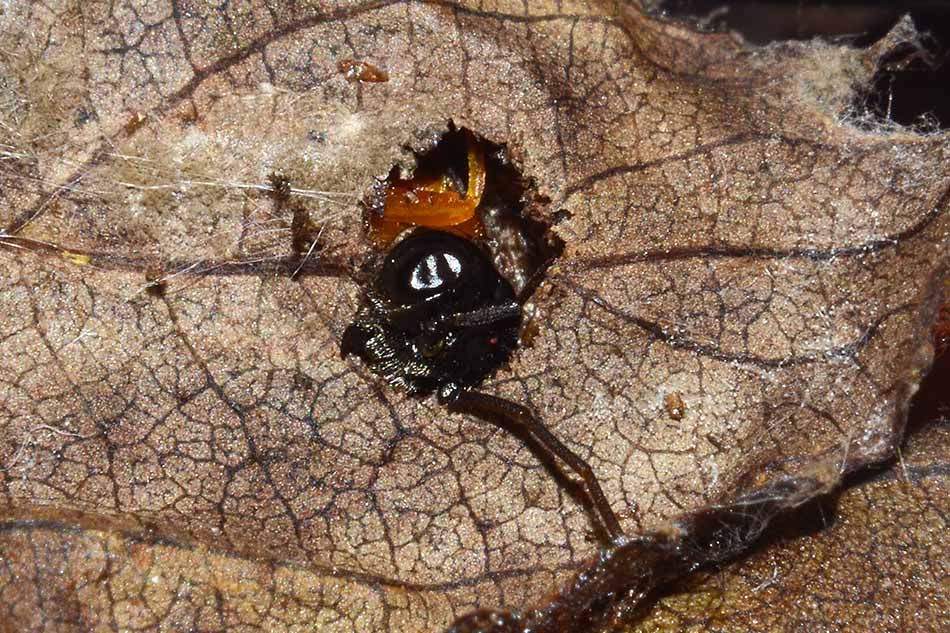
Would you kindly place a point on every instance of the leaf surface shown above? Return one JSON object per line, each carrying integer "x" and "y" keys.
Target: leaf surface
{"x": 875, "y": 559}
{"x": 732, "y": 240}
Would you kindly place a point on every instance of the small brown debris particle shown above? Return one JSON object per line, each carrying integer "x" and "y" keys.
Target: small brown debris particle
{"x": 135, "y": 121}
{"x": 530, "y": 331}
{"x": 675, "y": 407}
{"x": 355, "y": 71}
{"x": 303, "y": 231}
{"x": 155, "y": 280}
{"x": 189, "y": 113}
{"x": 279, "y": 187}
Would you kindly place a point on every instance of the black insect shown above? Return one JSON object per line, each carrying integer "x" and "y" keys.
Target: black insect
{"x": 438, "y": 318}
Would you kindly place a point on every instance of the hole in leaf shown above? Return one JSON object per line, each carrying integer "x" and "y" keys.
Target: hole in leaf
{"x": 468, "y": 186}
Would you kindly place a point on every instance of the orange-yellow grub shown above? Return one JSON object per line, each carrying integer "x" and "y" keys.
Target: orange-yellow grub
{"x": 432, "y": 201}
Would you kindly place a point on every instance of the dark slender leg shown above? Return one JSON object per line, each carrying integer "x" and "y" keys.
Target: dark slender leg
{"x": 491, "y": 408}
{"x": 483, "y": 316}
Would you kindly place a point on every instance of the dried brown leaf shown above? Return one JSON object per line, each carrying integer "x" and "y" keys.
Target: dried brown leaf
{"x": 875, "y": 560}
{"x": 732, "y": 239}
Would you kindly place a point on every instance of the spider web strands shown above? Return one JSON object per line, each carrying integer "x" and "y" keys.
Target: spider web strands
{"x": 309, "y": 253}
{"x": 264, "y": 228}
{"x": 334, "y": 196}
{"x": 72, "y": 186}
{"x": 724, "y": 251}
{"x": 10, "y": 152}
{"x": 337, "y": 197}
{"x": 290, "y": 264}
{"x": 147, "y": 175}
{"x": 269, "y": 223}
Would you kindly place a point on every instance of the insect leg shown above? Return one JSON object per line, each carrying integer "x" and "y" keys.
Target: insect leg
{"x": 484, "y": 316}
{"x": 493, "y": 409}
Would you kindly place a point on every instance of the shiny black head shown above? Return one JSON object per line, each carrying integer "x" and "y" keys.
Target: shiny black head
{"x": 438, "y": 316}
